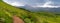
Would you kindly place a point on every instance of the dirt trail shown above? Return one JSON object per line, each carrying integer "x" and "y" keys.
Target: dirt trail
{"x": 17, "y": 20}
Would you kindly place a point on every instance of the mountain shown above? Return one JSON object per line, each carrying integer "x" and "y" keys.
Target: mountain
{"x": 54, "y": 9}
{"x": 30, "y": 8}
{"x": 38, "y": 9}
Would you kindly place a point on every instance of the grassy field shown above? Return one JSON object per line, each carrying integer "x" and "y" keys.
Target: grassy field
{"x": 7, "y": 11}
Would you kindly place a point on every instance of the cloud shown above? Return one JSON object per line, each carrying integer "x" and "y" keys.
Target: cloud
{"x": 17, "y": 4}
{"x": 47, "y": 4}
{"x": 33, "y": 3}
{"x": 24, "y": 1}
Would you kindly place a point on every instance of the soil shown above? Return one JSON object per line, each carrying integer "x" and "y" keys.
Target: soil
{"x": 17, "y": 20}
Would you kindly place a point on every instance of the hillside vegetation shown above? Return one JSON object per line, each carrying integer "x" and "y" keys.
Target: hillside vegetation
{"x": 7, "y": 12}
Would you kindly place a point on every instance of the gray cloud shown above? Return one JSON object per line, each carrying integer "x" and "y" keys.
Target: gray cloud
{"x": 33, "y": 2}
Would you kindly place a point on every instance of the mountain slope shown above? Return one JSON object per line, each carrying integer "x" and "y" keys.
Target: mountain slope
{"x": 8, "y": 11}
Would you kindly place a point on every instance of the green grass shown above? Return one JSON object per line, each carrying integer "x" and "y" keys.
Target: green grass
{"x": 7, "y": 11}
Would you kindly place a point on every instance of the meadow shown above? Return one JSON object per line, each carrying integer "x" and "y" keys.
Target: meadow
{"x": 7, "y": 12}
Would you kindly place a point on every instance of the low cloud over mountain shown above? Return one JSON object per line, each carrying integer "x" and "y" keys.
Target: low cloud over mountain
{"x": 36, "y": 5}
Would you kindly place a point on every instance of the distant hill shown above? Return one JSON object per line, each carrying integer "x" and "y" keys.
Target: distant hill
{"x": 35, "y": 9}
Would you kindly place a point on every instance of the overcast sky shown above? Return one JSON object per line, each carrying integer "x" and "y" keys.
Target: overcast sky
{"x": 34, "y": 3}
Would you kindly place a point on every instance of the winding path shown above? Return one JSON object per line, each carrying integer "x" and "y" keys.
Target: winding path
{"x": 17, "y": 20}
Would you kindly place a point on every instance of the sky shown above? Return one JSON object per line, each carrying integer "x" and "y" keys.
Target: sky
{"x": 34, "y": 3}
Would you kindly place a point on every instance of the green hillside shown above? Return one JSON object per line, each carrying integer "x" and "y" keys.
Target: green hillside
{"x": 8, "y": 11}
